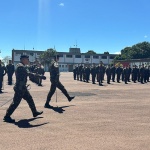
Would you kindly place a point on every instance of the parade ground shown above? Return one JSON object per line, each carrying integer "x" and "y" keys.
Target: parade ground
{"x": 109, "y": 117}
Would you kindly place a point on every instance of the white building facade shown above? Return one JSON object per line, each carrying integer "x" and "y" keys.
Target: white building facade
{"x": 67, "y": 60}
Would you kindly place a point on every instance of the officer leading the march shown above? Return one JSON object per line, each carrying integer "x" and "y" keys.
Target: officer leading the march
{"x": 21, "y": 90}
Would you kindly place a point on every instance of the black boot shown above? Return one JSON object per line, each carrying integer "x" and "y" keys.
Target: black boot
{"x": 71, "y": 98}
{"x": 47, "y": 105}
{"x": 8, "y": 119}
{"x": 35, "y": 114}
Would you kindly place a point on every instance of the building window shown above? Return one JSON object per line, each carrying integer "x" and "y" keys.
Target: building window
{"x": 78, "y": 56}
{"x": 95, "y": 57}
{"x": 62, "y": 66}
{"x": 87, "y": 56}
{"x": 60, "y": 55}
{"x": 31, "y": 54}
{"x": 59, "y": 66}
{"x": 112, "y": 57}
{"x": 69, "y": 56}
{"x": 104, "y": 57}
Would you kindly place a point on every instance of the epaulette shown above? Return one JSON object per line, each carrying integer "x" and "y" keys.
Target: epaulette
{"x": 19, "y": 65}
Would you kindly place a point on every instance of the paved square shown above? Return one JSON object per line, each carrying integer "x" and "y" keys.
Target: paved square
{"x": 112, "y": 117}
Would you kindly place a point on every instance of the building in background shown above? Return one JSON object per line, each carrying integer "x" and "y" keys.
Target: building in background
{"x": 67, "y": 60}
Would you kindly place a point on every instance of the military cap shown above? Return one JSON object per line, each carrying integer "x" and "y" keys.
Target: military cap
{"x": 24, "y": 56}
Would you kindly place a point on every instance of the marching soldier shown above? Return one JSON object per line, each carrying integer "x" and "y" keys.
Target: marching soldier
{"x": 2, "y": 73}
{"x": 21, "y": 90}
{"x": 54, "y": 78}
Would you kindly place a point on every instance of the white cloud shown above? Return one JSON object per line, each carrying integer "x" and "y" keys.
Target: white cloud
{"x": 145, "y": 36}
{"x": 117, "y": 52}
{"x": 61, "y": 4}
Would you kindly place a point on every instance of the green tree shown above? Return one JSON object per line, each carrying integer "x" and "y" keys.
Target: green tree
{"x": 91, "y": 52}
{"x": 106, "y": 53}
{"x": 137, "y": 51}
{"x": 46, "y": 57}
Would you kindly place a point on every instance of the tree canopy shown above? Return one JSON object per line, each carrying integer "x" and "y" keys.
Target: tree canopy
{"x": 46, "y": 56}
{"x": 137, "y": 51}
{"x": 91, "y": 52}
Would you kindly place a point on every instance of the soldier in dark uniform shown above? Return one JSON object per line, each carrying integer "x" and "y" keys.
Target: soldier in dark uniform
{"x": 75, "y": 73}
{"x": 39, "y": 71}
{"x": 77, "y": 70}
{"x": 10, "y": 71}
{"x": 81, "y": 72}
{"x": 21, "y": 90}
{"x": 130, "y": 70}
{"x": 138, "y": 75}
{"x": 87, "y": 73}
{"x": 2, "y": 73}
{"x": 122, "y": 74}
{"x": 84, "y": 74}
{"x": 100, "y": 73}
{"x": 113, "y": 73}
{"x": 146, "y": 74}
{"x": 118, "y": 72}
{"x": 142, "y": 73}
{"x": 126, "y": 73}
{"x": 54, "y": 78}
{"x": 135, "y": 71}
{"x": 108, "y": 73}
{"x": 93, "y": 73}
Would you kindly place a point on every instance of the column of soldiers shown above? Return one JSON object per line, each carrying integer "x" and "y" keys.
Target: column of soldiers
{"x": 21, "y": 87}
{"x": 113, "y": 73}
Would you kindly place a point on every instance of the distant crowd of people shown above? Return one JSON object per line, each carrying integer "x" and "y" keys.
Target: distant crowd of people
{"x": 113, "y": 73}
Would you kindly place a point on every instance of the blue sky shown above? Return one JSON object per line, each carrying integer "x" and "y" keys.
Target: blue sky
{"x": 99, "y": 25}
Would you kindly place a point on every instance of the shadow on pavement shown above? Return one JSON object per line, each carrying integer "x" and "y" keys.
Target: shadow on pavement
{"x": 25, "y": 123}
{"x": 59, "y": 109}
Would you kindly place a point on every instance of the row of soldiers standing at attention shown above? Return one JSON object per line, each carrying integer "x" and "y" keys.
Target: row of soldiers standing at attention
{"x": 9, "y": 69}
{"x": 126, "y": 73}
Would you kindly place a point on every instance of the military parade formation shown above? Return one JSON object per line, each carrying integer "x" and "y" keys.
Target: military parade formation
{"x": 113, "y": 73}
{"x": 85, "y": 73}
